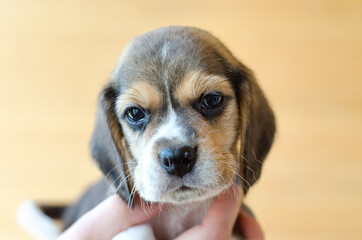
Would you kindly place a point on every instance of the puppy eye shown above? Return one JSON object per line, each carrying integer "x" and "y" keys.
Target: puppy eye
{"x": 213, "y": 100}
{"x": 135, "y": 114}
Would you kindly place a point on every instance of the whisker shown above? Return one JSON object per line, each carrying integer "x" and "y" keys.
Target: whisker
{"x": 117, "y": 166}
{"x": 127, "y": 176}
{"x": 215, "y": 130}
{"x": 255, "y": 159}
{"x": 130, "y": 197}
{"x": 237, "y": 174}
{"x": 133, "y": 194}
{"x": 202, "y": 127}
{"x": 119, "y": 185}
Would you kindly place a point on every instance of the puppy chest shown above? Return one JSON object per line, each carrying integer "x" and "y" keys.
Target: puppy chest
{"x": 175, "y": 219}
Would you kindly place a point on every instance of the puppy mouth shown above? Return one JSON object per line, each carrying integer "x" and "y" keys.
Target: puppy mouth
{"x": 184, "y": 188}
{"x": 181, "y": 189}
{"x": 188, "y": 190}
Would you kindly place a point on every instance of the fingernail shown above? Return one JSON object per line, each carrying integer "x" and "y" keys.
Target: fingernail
{"x": 247, "y": 210}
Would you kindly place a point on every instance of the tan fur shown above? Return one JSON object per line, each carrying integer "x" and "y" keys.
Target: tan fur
{"x": 196, "y": 83}
{"x": 146, "y": 96}
{"x": 141, "y": 93}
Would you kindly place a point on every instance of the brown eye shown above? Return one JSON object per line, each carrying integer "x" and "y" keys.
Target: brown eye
{"x": 135, "y": 114}
{"x": 213, "y": 100}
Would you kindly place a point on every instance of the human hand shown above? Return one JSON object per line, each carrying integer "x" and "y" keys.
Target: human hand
{"x": 220, "y": 220}
{"x": 113, "y": 216}
{"x": 109, "y": 218}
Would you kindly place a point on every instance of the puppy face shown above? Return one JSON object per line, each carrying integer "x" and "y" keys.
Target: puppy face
{"x": 179, "y": 110}
{"x": 199, "y": 116}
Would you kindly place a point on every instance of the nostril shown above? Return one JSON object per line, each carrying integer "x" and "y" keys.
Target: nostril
{"x": 167, "y": 162}
{"x": 165, "y": 153}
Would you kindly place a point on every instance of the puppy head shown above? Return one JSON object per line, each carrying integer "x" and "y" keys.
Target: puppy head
{"x": 180, "y": 119}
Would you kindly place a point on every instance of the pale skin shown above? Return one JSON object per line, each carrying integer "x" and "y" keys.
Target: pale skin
{"x": 99, "y": 223}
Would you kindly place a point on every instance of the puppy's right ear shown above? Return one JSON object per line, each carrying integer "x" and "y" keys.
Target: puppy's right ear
{"x": 106, "y": 144}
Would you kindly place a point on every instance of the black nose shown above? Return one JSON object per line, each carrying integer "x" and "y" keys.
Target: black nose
{"x": 178, "y": 161}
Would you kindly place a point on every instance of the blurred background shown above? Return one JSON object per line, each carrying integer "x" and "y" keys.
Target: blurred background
{"x": 56, "y": 55}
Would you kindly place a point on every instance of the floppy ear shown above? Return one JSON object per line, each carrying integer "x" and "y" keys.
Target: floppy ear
{"x": 106, "y": 144}
{"x": 257, "y": 128}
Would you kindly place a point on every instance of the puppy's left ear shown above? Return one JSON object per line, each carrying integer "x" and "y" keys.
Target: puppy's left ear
{"x": 107, "y": 145}
{"x": 257, "y": 128}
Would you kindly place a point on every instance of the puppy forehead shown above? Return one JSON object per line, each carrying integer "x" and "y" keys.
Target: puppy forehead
{"x": 167, "y": 54}
{"x": 174, "y": 61}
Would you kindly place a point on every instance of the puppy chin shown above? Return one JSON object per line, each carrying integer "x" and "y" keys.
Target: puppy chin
{"x": 185, "y": 195}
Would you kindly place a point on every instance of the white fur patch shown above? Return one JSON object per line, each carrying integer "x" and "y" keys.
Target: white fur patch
{"x": 170, "y": 129}
{"x": 164, "y": 52}
{"x": 139, "y": 232}
{"x": 149, "y": 177}
{"x": 35, "y": 223}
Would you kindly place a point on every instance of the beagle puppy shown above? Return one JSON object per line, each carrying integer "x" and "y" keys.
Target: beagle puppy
{"x": 179, "y": 120}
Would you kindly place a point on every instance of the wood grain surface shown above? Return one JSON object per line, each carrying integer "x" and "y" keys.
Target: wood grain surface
{"x": 56, "y": 55}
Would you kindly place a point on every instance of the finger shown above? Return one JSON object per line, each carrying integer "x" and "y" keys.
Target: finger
{"x": 225, "y": 208}
{"x": 220, "y": 219}
{"x": 250, "y": 227}
{"x": 109, "y": 218}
